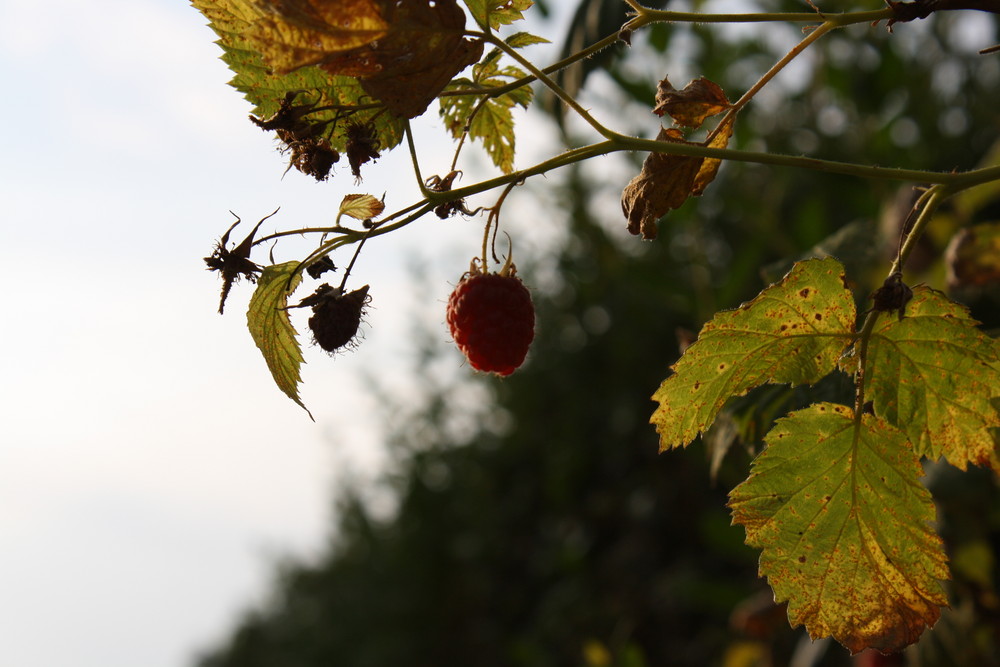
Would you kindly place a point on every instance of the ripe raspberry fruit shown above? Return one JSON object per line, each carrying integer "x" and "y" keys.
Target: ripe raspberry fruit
{"x": 492, "y": 320}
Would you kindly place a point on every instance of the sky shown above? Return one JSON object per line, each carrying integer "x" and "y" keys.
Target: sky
{"x": 151, "y": 473}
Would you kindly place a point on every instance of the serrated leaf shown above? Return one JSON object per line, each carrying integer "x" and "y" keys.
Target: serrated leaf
{"x": 361, "y": 207}
{"x": 265, "y": 89}
{"x": 271, "y": 329}
{"x": 494, "y": 13}
{"x": 792, "y": 332}
{"x": 844, "y": 524}
{"x": 519, "y": 40}
{"x": 933, "y": 375}
{"x": 493, "y": 122}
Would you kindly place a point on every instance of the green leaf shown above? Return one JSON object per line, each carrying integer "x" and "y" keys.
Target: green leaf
{"x": 491, "y": 14}
{"x": 519, "y": 40}
{"x": 493, "y": 122}
{"x": 360, "y": 207}
{"x": 844, "y": 523}
{"x": 232, "y": 20}
{"x": 792, "y": 332}
{"x": 271, "y": 329}
{"x": 933, "y": 374}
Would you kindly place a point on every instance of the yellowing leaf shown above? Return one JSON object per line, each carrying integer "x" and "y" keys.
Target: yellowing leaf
{"x": 690, "y": 107}
{"x": 294, "y": 33}
{"x": 361, "y": 207}
{"x": 838, "y": 509}
{"x": 271, "y": 329}
{"x": 933, "y": 374}
{"x": 402, "y": 53}
{"x": 792, "y": 332}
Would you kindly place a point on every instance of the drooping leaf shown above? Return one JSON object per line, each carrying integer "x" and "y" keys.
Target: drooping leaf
{"x": 666, "y": 181}
{"x": 494, "y": 13}
{"x": 933, "y": 375}
{"x": 493, "y": 122}
{"x": 663, "y": 184}
{"x": 837, "y": 507}
{"x": 690, "y": 107}
{"x": 792, "y": 332}
{"x": 267, "y": 90}
{"x": 361, "y": 207}
{"x": 271, "y": 329}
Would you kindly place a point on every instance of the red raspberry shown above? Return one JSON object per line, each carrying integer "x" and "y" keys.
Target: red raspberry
{"x": 492, "y": 321}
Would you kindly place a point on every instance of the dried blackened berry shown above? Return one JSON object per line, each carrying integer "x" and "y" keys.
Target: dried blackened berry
{"x": 313, "y": 156}
{"x": 449, "y": 208}
{"x": 321, "y": 266}
{"x": 362, "y": 146}
{"x": 336, "y": 316}
{"x": 894, "y": 294}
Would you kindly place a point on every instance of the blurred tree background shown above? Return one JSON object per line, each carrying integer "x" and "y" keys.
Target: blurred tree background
{"x": 552, "y": 533}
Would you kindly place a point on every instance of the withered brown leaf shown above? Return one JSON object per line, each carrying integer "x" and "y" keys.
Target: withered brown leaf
{"x": 663, "y": 185}
{"x": 404, "y": 53}
{"x": 666, "y": 181}
{"x": 423, "y": 51}
{"x": 690, "y": 107}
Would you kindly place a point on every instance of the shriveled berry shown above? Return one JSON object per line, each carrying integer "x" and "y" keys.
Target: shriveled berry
{"x": 336, "y": 317}
{"x": 492, "y": 320}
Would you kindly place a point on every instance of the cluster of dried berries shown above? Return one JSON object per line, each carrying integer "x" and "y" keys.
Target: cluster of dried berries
{"x": 310, "y": 150}
{"x": 234, "y": 264}
{"x": 308, "y": 140}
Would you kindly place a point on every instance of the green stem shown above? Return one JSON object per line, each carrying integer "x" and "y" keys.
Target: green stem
{"x": 648, "y": 16}
{"x": 770, "y": 74}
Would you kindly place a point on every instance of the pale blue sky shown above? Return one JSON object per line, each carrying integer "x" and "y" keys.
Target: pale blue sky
{"x": 150, "y": 472}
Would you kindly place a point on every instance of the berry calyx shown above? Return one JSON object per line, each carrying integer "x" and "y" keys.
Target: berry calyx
{"x": 492, "y": 319}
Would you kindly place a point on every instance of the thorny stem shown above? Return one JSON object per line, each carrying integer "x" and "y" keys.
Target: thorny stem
{"x": 648, "y": 16}
{"x": 770, "y": 74}
{"x": 413, "y": 158}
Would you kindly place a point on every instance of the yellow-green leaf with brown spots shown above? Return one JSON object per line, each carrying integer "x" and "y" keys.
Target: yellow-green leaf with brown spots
{"x": 792, "y": 332}
{"x": 934, "y": 374}
{"x": 844, "y": 523}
